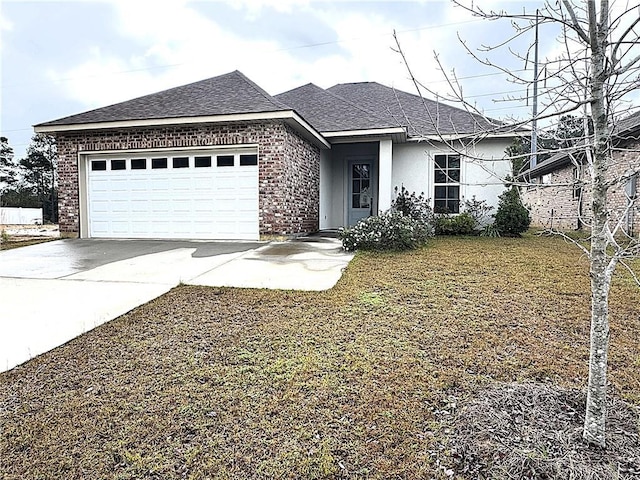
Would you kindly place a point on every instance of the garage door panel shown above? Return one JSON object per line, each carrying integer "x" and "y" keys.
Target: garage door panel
{"x": 120, "y": 206}
{"x": 120, "y": 227}
{"x": 202, "y": 185}
{"x": 204, "y": 203}
{"x": 160, "y": 206}
{"x": 139, "y": 227}
{"x": 139, "y": 206}
{"x": 182, "y": 208}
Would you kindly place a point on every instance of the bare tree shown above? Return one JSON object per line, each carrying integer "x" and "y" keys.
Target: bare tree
{"x": 593, "y": 77}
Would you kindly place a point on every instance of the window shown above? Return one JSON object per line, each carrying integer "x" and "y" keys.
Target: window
{"x": 118, "y": 164}
{"x": 224, "y": 160}
{"x": 577, "y": 186}
{"x": 202, "y": 162}
{"x": 98, "y": 165}
{"x": 158, "y": 163}
{"x": 138, "y": 164}
{"x": 180, "y": 162}
{"x": 246, "y": 160}
{"x": 446, "y": 198}
{"x": 631, "y": 187}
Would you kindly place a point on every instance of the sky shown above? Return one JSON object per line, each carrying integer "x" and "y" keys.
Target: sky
{"x": 59, "y": 58}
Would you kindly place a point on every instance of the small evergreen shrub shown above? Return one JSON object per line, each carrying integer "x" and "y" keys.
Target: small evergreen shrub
{"x": 461, "y": 224}
{"x": 512, "y": 217}
{"x": 391, "y": 230}
{"x": 479, "y": 210}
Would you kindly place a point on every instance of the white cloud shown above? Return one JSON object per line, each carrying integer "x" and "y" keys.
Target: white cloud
{"x": 176, "y": 34}
{"x": 5, "y": 24}
{"x": 254, "y": 8}
{"x": 172, "y": 43}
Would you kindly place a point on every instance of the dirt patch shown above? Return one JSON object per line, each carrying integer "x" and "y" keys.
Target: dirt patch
{"x": 26, "y": 232}
{"x": 534, "y": 431}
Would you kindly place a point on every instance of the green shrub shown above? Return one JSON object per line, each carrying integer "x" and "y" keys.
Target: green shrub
{"x": 512, "y": 218}
{"x": 479, "y": 210}
{"x": 408, "y": 224}
{"x": 461, "y": 224}
{"x": 490, "y": 230}
{"x": 391, "y": 230}
{"x": 412, "y": 205}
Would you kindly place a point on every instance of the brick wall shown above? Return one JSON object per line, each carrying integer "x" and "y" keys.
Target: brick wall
{"x": 554, "y": 205}
{"x": 289, "y": 167}
{"x": 627, "y": 212}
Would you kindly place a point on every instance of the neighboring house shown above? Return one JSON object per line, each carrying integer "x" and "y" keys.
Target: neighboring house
{"x": 223, "y": 159}
{"x": 559, "y": 196}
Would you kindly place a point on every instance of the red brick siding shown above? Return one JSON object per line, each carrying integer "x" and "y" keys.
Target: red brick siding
{"x": 288, "y": 165}
{"x": 554, "y": 205}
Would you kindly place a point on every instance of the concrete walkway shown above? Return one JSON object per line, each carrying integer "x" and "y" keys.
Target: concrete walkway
{"x": 53, "y": 292}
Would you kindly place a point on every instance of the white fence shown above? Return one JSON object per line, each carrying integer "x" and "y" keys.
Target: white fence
{"x": 20, "y": 216}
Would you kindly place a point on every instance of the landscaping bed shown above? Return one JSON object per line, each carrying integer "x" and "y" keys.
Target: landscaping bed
{"x": 377, "y": 378}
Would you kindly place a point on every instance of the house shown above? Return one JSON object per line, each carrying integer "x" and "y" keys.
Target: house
{"x": 223, "y": 159}
{"x": 559, "y": 196}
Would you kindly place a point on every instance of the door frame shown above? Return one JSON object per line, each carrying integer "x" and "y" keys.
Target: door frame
{"x": 348, "y": 185}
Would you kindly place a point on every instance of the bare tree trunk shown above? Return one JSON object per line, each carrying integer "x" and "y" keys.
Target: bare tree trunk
{"x": 596, "y": 414}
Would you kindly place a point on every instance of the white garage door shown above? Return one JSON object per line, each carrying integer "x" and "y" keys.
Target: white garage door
{"x": 203, "y": 195}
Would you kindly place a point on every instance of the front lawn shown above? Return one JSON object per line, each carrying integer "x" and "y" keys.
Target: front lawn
{"x": 363, "y": 381}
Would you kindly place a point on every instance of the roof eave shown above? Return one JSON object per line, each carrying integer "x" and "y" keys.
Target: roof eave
{"x": 289, "y": 116}
{"x": 397, "y": 135}
{"x": 552, "y": 164}
{"x": 461, "y": 136}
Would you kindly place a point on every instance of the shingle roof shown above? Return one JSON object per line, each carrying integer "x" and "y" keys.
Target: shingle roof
{"x": 328, "y": 112}
{"x": 420, "y": 116}
{"x": 628, "y": 124}
{"x": 232, "y": 93}
{"x": 624, "y": 130}
{"x": 343, "y": 107}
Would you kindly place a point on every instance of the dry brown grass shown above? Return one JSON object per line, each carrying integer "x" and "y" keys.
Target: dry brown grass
{"x": 15, "y": 242}
{"x": 356, "y": 382}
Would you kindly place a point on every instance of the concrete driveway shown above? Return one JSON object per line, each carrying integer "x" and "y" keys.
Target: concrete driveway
{"x": 53, "y": 292}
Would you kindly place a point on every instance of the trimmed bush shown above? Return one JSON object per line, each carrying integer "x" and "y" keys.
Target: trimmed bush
{"x": 512, "y": 218}
{"x": 391, "y": 230}
{"x": 461, "y": 224}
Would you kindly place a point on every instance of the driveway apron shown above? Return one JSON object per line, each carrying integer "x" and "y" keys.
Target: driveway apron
{"x": 52, "y": 292}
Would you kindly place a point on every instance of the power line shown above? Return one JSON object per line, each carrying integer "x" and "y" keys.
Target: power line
{"x": 285, "y": 49}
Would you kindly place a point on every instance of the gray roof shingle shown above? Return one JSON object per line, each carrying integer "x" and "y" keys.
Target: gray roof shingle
{"x": 405, "y": 109}
{"x": 343, "y": 107}
{"x": 232, "y": 93}
{"x": 328, "y": 112}
{"x": 627, "y": 125}
{"x": 624, "y": 130}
